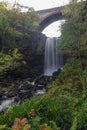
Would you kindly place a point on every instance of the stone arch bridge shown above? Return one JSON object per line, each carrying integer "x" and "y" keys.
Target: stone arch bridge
{"x": 48, "y": 16}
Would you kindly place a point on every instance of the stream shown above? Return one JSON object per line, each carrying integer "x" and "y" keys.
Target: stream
{"x": 53, "y": 64}
{"x": 24, "y": 90}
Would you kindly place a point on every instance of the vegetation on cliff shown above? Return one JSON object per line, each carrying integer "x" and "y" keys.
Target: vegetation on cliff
{"x": 18, "y": 33}
{"x": 74, "y": 31}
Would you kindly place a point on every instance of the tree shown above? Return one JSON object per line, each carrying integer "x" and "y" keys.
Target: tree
{"x": 15, "y": 26}
{"x": 73, "y": 30}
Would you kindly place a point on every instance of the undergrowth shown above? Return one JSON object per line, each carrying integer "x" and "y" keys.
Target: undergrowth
{"x": 65, "y": 103}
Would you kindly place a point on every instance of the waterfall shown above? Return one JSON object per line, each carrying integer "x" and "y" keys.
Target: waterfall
{"x": 53, "y": 56}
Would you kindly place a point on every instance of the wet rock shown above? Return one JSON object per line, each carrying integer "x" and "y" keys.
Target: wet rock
{"x": 56, "y": 73}
{"x": 6, "y": 103}
{"x": 40, "y": 92}
{"x": 23, "y": 94}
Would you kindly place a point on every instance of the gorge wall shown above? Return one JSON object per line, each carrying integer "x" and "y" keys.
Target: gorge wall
{"x": 31, "y": 46}
{"x": 33, "y": 51}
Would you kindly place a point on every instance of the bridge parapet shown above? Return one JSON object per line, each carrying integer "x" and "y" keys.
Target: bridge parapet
{"x": 43, "y": 14}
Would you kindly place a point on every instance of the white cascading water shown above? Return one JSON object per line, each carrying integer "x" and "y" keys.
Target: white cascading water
{"x": 53, "y": 57}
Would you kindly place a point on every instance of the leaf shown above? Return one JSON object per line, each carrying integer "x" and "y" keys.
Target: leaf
{"x": 26, "y": 127}
{"x": 2, "y": 127}
{"x": 74, "y": 124}
{"x": 36, "y": 121}
{"x": 49, "y": 128}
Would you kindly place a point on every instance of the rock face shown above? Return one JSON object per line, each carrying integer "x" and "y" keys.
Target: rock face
{"x": 31, "y": 46}
{"x": 33, "y": 52}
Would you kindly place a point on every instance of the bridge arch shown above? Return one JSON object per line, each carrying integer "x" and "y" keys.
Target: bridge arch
{"x": 50, "y": 18}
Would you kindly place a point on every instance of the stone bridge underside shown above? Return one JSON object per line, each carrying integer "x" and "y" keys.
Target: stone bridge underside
{"x": 48, "y": 16}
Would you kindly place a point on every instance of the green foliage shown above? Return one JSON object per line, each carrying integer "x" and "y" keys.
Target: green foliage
{"x": 10, "y": 61}
{"x": 62, "y": 112}
{"x": 65, "y": 103}
{"x": 22, "y": 21}
{"x": 33, "y": 123}
{"x": 3, "y": 6}
{"x": 2, "y": 127}
{"x": 74, "y": 124}
{"x": 74, "y": 30}
{"x": 15, "y": 28}
{"x": 14, "y": 23}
